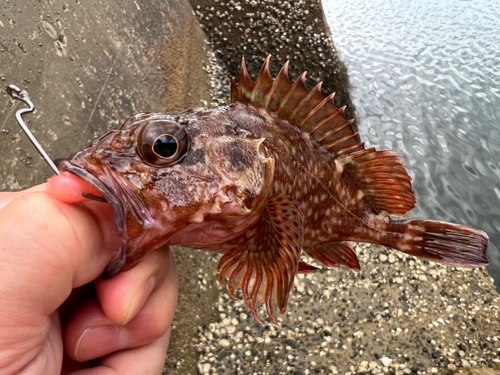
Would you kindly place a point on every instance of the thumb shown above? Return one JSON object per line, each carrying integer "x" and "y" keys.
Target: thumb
{"x": 49, "y": 247}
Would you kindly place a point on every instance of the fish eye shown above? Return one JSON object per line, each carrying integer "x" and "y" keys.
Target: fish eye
{"x": 162, "y": 143}
{"x": 165, "y": 146}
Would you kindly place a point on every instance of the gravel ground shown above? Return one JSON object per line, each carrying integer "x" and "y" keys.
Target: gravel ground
{"x": 399, "y": 315}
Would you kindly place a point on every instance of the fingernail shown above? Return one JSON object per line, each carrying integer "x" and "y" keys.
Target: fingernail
{"x": 98, "y": 341}
{"x": 138, "y": 300}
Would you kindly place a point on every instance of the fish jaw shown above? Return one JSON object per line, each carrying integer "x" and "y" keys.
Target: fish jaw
{"x": 103, "y": 189}
{"x": 135, "y": 226}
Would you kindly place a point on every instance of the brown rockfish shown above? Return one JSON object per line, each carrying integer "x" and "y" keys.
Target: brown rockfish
{"x": 277, "y": 172}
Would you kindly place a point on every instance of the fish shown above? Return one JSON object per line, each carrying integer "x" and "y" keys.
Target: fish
{"x": 277, "y": 174}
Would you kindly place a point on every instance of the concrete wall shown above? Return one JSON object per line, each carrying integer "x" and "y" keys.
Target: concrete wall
{"x": 88, "y": 67}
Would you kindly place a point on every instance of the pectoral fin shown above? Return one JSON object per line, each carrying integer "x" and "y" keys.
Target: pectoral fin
{"x": 335, "y": 254}
{"x": 265, "y": 263}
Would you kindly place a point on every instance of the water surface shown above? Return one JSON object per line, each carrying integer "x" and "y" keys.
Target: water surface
{"x": 425, "y": 79}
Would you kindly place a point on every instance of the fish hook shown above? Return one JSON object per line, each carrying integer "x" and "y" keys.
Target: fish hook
{"x": 22, "y": 95}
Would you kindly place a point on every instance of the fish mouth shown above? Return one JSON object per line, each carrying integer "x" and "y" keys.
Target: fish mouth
{"x": 109, "y": 196}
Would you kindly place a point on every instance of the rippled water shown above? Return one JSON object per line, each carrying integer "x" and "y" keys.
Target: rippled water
{"x": 425, "y": 79}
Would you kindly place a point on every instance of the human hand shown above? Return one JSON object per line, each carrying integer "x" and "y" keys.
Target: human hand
{"x": 56, "y": 314}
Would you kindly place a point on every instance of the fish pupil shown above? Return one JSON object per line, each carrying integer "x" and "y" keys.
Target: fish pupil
{"x": 165, "y": 146}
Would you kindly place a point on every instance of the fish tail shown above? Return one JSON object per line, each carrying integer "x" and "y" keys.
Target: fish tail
{"x": 451, "y": 244}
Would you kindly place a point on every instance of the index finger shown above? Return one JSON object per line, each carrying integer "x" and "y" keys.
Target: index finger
{"x": 9, "y": 196}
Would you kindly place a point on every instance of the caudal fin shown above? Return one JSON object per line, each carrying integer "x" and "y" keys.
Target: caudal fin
{"x": 452, "y": 244}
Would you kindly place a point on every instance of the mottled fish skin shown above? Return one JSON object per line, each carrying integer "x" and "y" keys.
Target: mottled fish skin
{"x": 277, "y": 172}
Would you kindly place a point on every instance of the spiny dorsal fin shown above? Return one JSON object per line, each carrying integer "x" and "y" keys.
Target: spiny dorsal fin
{"x": 308, "y": 110}
{"x": 381, "y": 175}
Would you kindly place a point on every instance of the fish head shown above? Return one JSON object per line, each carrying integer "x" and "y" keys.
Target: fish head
{"x": 176, "y": 180}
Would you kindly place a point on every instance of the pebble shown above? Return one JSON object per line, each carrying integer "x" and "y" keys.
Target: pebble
{"x": 386, "y": 361}
{"x": 363, "y": 367}
{"x": 205, "y": 368}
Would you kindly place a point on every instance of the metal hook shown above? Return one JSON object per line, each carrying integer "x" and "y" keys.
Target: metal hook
{"x": 22, "y": 95}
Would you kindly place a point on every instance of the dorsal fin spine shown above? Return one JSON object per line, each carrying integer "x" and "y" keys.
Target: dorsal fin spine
{"x": 284, "y": 106}
{"x": 282, "y": 80}
{"x": 327, "y": 119}
{"x": 327, "y": 134}
{"x": 245, "y": 82}
{"x": 316, "y": 109}
{"x": 352, "y": 149}
{"x": 343, "y": 140}
{"x": 312, "y": 93}
{"x": 262, "y": 84}
{"x": 234, "y": 91}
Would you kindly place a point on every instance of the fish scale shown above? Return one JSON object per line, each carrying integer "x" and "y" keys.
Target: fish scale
{"x": 277, "y": 173}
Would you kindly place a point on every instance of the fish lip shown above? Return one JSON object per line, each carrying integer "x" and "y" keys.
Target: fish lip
{"x": 101, "y": 187}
